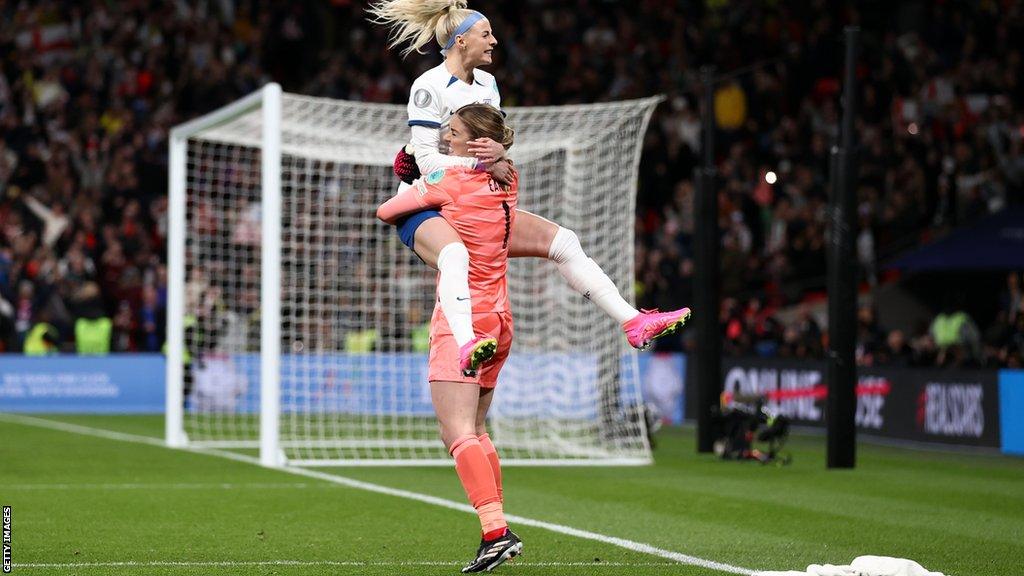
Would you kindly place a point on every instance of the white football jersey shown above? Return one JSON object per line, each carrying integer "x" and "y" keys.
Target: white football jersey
{"x": 436, "y": 94}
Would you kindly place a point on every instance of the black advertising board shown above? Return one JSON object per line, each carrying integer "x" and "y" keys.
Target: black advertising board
{"x": 945, "y": 406}
{"x": 927, "y": 405}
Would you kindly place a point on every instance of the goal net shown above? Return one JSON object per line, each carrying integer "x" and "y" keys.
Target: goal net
{"x": 298, "y": 321}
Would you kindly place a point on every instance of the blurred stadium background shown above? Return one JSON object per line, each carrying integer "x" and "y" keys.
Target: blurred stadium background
{"x": 89, "y": 90}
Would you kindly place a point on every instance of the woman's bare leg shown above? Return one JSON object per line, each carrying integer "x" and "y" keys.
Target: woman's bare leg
{"x": 484, "y": 404}
{"x": 533, "y": 236}
{"x": 432, "y": 236}
{"x": 456, "y": 405}
{"x": 437, "y": 243}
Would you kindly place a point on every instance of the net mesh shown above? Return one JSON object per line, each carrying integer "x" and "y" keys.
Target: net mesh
{"x": 355, "y": 302}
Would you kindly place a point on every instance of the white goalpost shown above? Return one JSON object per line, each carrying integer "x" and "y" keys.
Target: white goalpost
{"x": 297, "y": 321}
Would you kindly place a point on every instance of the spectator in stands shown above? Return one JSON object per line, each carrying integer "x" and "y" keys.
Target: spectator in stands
{"x": 1012, "y": 299}
{"x": 896, "y": 352}
{"x": 83, "y": 127}
{"x": 93, "y": 327}
{"x": 870, "y": 338}
{"x": 956, "y": 335}
{"x": 1015, "y": 347}
{"x": 42, "y": 338}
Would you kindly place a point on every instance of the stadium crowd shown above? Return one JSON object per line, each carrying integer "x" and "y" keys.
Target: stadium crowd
{"x": 951, "y": 339}
{"x": 89, "y": 90}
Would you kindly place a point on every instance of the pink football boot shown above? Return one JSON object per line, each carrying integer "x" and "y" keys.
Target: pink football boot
{"x": 649, "y": 325}
{"x": 476, "y": 353}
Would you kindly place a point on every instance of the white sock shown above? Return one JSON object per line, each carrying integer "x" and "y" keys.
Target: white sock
{"x": 586, "y": 277}
{"x": 453, "y": 291}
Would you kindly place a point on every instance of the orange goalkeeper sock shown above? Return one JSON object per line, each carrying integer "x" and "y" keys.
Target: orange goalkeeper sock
{"x": 492, "y": 457}
{"x": 478, "y": 481}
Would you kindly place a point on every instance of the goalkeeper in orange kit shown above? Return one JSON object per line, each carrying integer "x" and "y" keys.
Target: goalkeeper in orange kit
{"x": 482, "y": 212}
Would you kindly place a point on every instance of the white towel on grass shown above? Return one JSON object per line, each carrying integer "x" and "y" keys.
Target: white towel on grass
{"x": 863, "y": 566}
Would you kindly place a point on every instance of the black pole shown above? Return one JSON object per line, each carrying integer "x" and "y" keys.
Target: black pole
{"x": 842, "y": 279}
{"x": 708, "y": 359}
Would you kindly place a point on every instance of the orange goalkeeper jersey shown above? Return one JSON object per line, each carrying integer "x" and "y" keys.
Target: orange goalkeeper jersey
{"x": 481, "y": 211}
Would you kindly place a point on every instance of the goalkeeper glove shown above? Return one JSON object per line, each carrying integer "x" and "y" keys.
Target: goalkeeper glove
{"x": 405, "y": 166}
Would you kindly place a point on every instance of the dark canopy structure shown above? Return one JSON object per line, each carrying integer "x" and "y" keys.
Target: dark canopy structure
{"x": 995, "y": 242}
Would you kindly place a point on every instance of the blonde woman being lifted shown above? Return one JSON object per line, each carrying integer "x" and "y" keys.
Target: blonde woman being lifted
{"x": 467, "y": 43}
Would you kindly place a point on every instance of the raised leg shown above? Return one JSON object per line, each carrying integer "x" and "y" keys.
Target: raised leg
{"x": 431, "y": 237}
{"x": 533, "y": 236}
{"x": 437, "y": 244}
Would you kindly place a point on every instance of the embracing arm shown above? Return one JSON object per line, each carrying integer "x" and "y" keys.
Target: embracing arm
{"x": 426, "y": 114}
{"x": 425, "y": 146}
{"x": 425, "y": 142}
{"x": 413, "y": 199}
{"x": 428, "y": 159}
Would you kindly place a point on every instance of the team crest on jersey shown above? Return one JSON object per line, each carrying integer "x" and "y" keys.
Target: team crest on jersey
{"x": 435, "y": 176}
{"x": 421, "y": 98}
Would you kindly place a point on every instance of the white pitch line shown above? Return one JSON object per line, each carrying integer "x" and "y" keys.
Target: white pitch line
{"x": 166, "y": 486}
{"x": 313, "y": 563}
{"x": 370, "y": 487}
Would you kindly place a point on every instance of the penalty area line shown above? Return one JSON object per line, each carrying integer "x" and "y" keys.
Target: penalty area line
{"x": 630, "y": 545}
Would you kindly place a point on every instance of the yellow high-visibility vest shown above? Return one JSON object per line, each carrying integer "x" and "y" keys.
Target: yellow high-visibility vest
{"x": 35, "y": 344}
{"x": 360, "y": 341}
{"x": 93, "y": 336}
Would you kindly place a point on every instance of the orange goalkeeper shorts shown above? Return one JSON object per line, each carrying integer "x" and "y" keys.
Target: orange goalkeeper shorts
{"x": 444, "y": 352}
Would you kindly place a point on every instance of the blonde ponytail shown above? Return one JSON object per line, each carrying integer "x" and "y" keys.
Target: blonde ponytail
{"x": 417, "y": 21}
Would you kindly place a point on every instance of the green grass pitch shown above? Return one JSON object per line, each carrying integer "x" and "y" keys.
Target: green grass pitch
{"x": 95, "y": 506}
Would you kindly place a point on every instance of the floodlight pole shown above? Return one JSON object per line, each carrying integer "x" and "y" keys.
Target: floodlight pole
{"x": 708, "y": 359}
{"x": 842, "y": 278}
